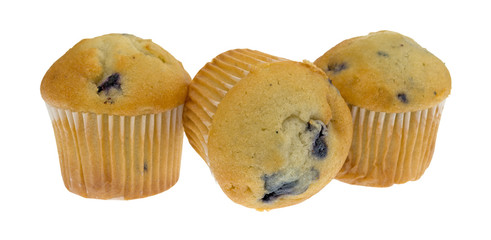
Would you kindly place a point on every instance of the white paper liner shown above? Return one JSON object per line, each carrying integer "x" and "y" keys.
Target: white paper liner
{"x": 118, "y": 157}
{"x": 390, "y": 148}
{"x": 209, "y": 87}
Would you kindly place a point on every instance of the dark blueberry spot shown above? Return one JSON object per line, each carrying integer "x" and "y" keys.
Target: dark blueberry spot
{"x": 276, "y": 132}
{"x": 434, "y": 93}
{"x": 402, "y": 97}
{"x": 309, "y": 127}
{"x": 319, "y": 148}
{"x": 330, "y": 81}
{"x": 278, "y": 185}
{"x": 337, "y": 67}
{"x": 270, "y": 85}
{"x": 111, "y": 82}
{"x": 268, "y": 197}
{"x": 382, "y": 54}
{"x": 284, "y": 189}
{"x": 402, "y": 45}
{"x": 145, "y": 167}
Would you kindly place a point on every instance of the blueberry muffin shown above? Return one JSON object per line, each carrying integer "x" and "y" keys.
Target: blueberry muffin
{"x": 274, "y": 132}
{"x": 396, "y": 91}
{"x": 116, "y": 104}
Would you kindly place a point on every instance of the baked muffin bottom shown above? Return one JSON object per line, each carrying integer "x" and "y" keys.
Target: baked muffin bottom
{"x": 118, "y": 157}
{"x": 390, "y": 148}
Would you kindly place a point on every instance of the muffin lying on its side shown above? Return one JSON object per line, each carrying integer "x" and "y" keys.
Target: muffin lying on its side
{"x": 274, "y": 132}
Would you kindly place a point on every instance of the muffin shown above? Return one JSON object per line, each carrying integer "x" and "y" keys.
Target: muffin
{"x": 396, "y": 91}
{"x": 116, "y": 103}
{"x": 274, "y": 132}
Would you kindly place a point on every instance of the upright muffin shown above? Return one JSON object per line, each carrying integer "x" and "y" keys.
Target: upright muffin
{"x": 116, "y": 104}
{"x": 274, "y": 132}
{"x": 396, "y": 91}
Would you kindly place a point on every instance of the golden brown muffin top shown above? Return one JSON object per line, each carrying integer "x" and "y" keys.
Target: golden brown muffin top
{"x": 279, "y": 135}
{"x": 116, "y": 74}
{"x": 386, "y": 72}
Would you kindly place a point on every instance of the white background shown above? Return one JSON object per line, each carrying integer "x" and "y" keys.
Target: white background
{"x": 450, "y": 201}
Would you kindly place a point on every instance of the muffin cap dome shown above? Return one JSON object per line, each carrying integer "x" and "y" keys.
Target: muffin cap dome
{"x": 386, "y": 72}
{"x": 259, "y": 135}
{"x": 116, "y": 74}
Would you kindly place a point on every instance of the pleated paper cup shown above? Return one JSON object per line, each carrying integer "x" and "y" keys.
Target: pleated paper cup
{"x": 390, "y": 148}
{"x": 118, "y": 157}
{"x": 209, "y": 87}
